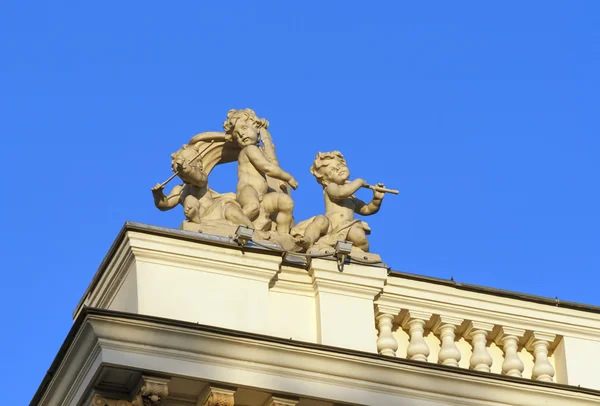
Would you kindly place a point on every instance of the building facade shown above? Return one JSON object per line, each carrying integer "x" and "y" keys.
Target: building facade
{"x": 179, "y": 318}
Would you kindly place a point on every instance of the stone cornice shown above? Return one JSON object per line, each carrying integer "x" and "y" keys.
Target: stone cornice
{"x": 135, "y": 246}
{"x": 173, "y": 252}
{"x": 219, "y": 351}
{"x": 115, "y": 263}
{"x": 71, "y": 363}
{"x": 166, "y": 233}
{"x": 293, "y": 281}
{"x": 114, "y": 276}
{"x": 546, "y": 301}
{"x": 353, "y": 281}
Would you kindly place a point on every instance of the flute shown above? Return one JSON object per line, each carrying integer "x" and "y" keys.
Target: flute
{"x": 379, "y": 189}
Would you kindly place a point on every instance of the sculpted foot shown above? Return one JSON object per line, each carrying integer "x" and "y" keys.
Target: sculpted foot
{"x": 192, "y": 214}
{"x": 263, "y": 235}
{"x": 303, "y": 242}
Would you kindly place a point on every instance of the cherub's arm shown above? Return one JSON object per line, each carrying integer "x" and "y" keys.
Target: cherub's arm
{"x": 261, "y": 163}
{"x": 341, "y": 192}
{"x": 164, "y": 203}
{"x": 373, "y": 206}
{"x": 367, "y": 209}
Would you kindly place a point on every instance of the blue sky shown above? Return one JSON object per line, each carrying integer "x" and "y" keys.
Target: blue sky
{"x": 484, "y": 115}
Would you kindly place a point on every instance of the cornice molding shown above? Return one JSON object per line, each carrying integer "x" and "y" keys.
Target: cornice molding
{"x": 343, "y": 376}
{"x": 356, "y": 280}
{"x": 293, "y": 281}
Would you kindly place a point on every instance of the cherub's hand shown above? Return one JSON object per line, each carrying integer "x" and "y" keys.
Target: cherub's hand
{"x": 283, "y": 186}
{"x": 184, "y": 168}
{"x": 377, "y": 194}
{"x": 293, "y": 183}
{"x": 264, "y": 123}
{"x": 361, "y": 182}
{"x": 157, "y": 189}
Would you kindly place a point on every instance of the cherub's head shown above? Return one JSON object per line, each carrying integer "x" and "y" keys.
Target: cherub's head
{"x": 330, "y": 167}
{"x": 188, "y": 165}
{"x": 244, "y": 126}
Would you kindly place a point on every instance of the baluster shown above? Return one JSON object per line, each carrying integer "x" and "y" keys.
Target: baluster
{"x": 539, "y": 344}
{"x": 446, "y": 327}
{"x": 508, "y": 338}
{"x": 477, "y": 332}
{"x": 386, "y": 343}
{"x": 415, "y": 323}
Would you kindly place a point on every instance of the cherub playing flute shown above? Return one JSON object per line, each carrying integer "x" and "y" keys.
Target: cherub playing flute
{"x": 338, "y": 223}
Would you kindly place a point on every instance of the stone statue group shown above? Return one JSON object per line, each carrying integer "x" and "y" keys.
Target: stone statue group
{"x": 262, "y": 200}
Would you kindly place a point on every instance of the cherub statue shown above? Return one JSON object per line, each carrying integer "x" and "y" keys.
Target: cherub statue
{"x": 338, "y": 223}
{"x": 254, "y": 165}
{"x": 198, "y": 201}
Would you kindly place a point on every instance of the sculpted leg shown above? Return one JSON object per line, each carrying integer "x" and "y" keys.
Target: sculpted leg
{"x": 315, "y": 230}
{"x": 250, "y": 202}
{"x": 358, "y": 237}
{"x": 236, "y": 216}
{"x": 283, "y": 205}
{"x": 191, "y": 209}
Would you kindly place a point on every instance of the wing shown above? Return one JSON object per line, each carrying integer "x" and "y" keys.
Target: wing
{"x": 216, "y": 149}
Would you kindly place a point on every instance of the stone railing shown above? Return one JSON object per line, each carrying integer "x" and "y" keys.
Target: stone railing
{"x": 440, "y": 323}
{"x": 457, "y": 342}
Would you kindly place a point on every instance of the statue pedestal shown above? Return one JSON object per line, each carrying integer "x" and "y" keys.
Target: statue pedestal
{"x": 210, "y": 280}
{"x": 225, "y": 229}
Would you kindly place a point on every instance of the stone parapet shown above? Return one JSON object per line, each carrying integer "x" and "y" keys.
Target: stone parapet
{"x": 212, "y": 281}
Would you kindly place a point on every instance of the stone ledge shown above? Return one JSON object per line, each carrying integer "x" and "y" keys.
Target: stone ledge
{"x": 284, "y": 366}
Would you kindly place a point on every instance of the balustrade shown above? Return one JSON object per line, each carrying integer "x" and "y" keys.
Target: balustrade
{"x": 479, "y": 334}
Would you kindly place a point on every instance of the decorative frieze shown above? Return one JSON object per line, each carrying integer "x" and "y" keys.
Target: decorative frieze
{"x": 152, "y": 392}
{"x": 275, "y": 400}
{"x": 98, "y": 400}
{"x": 217, "y": 396}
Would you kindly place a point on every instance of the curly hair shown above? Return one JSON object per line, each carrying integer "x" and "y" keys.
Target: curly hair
{"x": 323, "y": 160}
{"x": 247, "y": 114}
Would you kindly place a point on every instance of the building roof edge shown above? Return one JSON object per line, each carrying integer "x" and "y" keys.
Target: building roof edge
{"x": 498, "y": 292}
{"x": 90, "y": 312}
